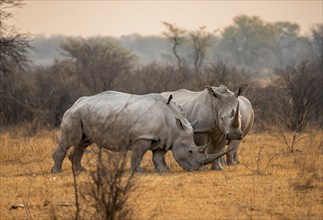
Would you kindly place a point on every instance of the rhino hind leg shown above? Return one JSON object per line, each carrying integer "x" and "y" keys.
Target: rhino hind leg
{"x": 58, "y": 156}
{"x": 76, "y": 155}
{"x": 139, "y": 148}
{"x": 71, "y": 134}
{"x": 159, "y": 161}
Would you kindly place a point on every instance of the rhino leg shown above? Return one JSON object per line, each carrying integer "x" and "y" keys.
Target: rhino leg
{"x": 59, "y": 155}
{"x": 235, "y": 156}
{"x": 76, "y": 155}
{"x": 71, "y": 134}
{"x": 217, "y": 148}
{"x": 232, "y": 156}
{"x": 138, "y": 150}
{"x": 159, "y": 161}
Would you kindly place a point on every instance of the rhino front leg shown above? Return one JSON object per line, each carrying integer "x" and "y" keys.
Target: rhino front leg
{"x": 138, "y": 150}
{"x": 232, "y": 157}
{"x": 235, "y": 156}
{"x": 217, "y": 148}
{"x": 159, "y": 161}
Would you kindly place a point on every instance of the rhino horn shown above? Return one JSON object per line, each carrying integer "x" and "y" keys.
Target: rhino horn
{"x": 235, "y": 122}
{"x": 202, "y": 148}
{"x": 210, "y": 158}
{"x": 194, "y": 123}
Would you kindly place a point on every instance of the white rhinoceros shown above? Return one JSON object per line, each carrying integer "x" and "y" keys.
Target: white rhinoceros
{"x": 223, "y": 117}
{"x": 121, "y": 122}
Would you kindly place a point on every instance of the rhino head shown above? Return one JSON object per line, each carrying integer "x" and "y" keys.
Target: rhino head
{"x": 227, "y": 113}
{"x": 189, "y": 156}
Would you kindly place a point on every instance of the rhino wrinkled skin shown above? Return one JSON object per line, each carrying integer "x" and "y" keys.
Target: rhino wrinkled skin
{"x": 120, "y": 122}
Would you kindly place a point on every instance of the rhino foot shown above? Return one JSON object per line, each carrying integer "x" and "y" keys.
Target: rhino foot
{"x": 204, "y": 168}
{"x": 217, "y": 167}
{"x": 138, "y": 170}
{"x": 56, "y": 169}
{"x": 79, "y": 169}
{"x": 231, "y": 163}
{"x": 162, "y": 169}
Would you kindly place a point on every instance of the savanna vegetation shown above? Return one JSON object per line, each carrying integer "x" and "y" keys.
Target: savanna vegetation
{"x": 270, "y": 183}
{"x": 280, "y": 175}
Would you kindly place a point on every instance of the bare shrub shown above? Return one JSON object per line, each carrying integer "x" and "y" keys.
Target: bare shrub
{"x": 158, "y": 78}
{"x": 262, "y": 162}
{"x": 293, "y": 107}
{"x": 105, "y": 193}
{"x": 221, "y": 73}
{"x": 308, "y": 173}
{"x": 308, "y": 163}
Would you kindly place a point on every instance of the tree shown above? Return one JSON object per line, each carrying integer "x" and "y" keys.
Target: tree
{"x": 247, "y": 39}
{"x": 201, "y": 42}
{"x": 316, "y": 42}
{"x": 175, "y": 35}
{"x": 286, "y": 38}
{"x": 14, "y": 49}
{"x": 99, "y": 61}
{"x": 13, "y": 45}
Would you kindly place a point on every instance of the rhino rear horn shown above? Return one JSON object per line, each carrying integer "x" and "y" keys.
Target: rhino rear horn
{"x": 194, "y": 123}
{"x": 202, "y": 148}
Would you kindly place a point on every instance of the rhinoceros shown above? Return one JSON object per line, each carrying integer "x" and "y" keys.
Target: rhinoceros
{"x": 120, "y": 122}
{"x": 217, "y": 110}
{"x": 247, "y": 118}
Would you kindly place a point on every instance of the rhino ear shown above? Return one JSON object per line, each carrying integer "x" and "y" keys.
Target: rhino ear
{"x": 181, "y": 125}
{"x": 241, "y": 90}
{"x": 213, "y": 92}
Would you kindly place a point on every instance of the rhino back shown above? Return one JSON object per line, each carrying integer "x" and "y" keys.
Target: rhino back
{"x": 196, "y": 106}
{"x": 114, "y": 119}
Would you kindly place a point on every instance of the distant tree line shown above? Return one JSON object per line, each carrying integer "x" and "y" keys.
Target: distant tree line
{"x": 290, "y": 97}
{"x": 249, "y": 43}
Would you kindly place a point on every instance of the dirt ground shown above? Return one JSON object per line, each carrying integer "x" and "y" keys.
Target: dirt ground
{"x": 270, "y": 183}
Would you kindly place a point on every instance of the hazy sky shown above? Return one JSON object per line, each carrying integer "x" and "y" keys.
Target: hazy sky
{"x": 117, "y": 18}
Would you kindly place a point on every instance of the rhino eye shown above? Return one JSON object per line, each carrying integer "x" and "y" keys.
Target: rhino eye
{"x": 190, "y": 151}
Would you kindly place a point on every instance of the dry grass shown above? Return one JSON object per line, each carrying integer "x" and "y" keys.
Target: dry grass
{"x": 270, "y": 183}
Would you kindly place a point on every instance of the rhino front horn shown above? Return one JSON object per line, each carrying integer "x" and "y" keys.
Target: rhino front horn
{"x": 235, "y": 122}
{"x": 212, "y": 157}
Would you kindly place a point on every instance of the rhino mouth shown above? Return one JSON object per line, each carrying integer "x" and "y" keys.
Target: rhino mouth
{"x": 233, "y": 137}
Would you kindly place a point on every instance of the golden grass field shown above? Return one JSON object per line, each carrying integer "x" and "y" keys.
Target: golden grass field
{"x": 270, "y": 183}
